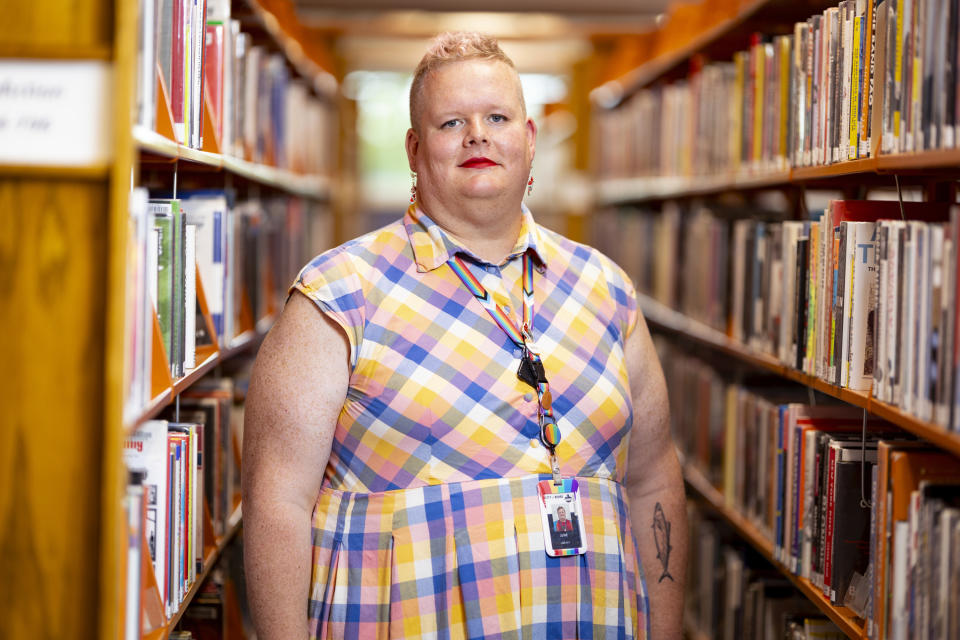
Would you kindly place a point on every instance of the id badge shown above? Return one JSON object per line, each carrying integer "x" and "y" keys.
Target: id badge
{"x": 564, "y": 533}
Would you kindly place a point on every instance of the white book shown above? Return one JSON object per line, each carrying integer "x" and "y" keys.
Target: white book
{"x": 848, "y": 230}
{"x": 190, "y": 297}
{"x": 897, "y": 629}
{"x": 133, "y": 508}
{"x": 862, "y": 305}
{"x": 949, "y": 518}
{"x": 880, "y": 355}
{"x": 791, "y": 232}
{"x": 908, "y": 319}
{"x": 147, "y": 64}
{"x": 146, "y": 449}
{"x": 919, "y": 363}
{"x": 196, "y": 60}
{"x": 194, "y": 507}
{"x": 893, "y": 317}
{"x": 209, "y": 213}
{"x": 218, "y": 10}
{"x": 846, "y": 33}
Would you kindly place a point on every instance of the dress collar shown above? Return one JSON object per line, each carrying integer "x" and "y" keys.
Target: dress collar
{"x": 432, "y": 246}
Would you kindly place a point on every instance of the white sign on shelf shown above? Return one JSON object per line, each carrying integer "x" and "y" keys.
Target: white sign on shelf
{"x": 55, "y": 112}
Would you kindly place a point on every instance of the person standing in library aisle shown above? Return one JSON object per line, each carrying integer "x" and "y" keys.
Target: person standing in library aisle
{"x": 467, "y": 371}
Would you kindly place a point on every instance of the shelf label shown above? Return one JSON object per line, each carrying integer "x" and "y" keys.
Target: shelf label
{"x": 55, "y": 112}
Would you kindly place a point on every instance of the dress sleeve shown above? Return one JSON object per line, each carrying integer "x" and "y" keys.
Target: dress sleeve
{"x": 625, "y": 297}
{"x": 333, "y": 283}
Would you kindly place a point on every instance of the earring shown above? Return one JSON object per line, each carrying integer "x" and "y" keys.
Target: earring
{"x": 530, "y": 186}
{"x": 413, "y": 187}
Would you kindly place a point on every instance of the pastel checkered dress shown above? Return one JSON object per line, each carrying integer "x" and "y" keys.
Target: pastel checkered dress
{"x": 427, "y": 523}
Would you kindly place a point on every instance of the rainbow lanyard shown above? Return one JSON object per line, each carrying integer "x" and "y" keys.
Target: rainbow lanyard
{"x": 531, "y": 366}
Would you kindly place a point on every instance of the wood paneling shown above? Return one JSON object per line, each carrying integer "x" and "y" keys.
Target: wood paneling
{"x": 53, "y": 256}
{"x": 41, "y": 24}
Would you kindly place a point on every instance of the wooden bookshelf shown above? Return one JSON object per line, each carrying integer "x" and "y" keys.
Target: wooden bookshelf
{"x": 673, "y": 321}
{"x": 843, "y": 617}
{"x": 64, "y": 534}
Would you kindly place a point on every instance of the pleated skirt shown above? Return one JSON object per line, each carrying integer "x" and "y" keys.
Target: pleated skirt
{"x": 467, "y": 560}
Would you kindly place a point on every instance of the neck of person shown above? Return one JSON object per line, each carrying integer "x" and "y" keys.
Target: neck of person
{"x": 489, "y": 228}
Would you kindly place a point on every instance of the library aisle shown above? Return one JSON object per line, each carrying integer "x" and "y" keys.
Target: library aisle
{"x": 778, "y": 179}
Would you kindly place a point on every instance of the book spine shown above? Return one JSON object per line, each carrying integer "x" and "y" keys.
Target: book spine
{"x": 829, "y": 523}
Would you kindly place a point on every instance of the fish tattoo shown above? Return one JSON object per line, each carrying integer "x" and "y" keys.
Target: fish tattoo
{"x": 661, "y": 536}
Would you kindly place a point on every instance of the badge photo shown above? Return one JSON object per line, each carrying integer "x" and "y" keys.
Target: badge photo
{"x": 564, "y": 532}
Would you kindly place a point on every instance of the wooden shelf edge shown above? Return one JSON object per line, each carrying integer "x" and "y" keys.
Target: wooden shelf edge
{"x": 843, "y": 617}
{"x": 662, "y": 316}
{"x": 931, "y": 159}
{"x": 180, "y": 384}
{"x": 239, "y": 345}
{"x": 310, "y": 186}
{"x": 612, "y": 191}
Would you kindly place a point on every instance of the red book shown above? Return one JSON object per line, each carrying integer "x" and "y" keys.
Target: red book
{"x": 213, "y": 73}
{"x": 828, "y": 542}
{"x": 873, "y": 210}
{"x": 177, "y": 67}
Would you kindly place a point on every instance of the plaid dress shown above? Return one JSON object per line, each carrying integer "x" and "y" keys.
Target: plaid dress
{"x": 427, "y": 523}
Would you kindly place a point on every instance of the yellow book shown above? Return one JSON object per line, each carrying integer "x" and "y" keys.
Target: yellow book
{"x": 854, "y": 89}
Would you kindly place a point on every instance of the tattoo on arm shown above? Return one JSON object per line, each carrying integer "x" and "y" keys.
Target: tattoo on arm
{"x": 661, "y": 536}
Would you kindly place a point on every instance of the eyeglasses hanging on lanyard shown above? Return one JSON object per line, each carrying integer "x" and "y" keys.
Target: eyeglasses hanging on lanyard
{"x": 531, "y": 368}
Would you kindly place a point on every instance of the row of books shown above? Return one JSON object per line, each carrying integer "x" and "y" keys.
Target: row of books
{"x": 257, "y": 110}
{"x": 187, "y": 466}
{"x": 855, "y": 295}
{"x": 737, "y": 594}
{"x": 865, "y": 513}
{"x": 244, "y": 255}
{"x": 859, "y": 78}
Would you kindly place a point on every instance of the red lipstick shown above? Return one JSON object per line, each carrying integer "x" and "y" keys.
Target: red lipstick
{"x": 478, "y": 163}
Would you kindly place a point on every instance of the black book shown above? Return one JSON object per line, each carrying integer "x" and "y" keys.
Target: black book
{"x": 803, "y": 284}
{"x": 851, "y": 532}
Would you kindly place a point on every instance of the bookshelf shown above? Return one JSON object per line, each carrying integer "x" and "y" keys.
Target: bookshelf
{"x": 668, "y": 154}
{"x": 64, "y": 251}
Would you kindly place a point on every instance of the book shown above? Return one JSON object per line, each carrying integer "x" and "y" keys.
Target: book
{"x": 146, "y": 450}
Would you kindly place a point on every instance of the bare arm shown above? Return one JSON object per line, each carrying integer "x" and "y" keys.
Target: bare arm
{"x": 655, "y": 488}
{"x": 296, "y": 392}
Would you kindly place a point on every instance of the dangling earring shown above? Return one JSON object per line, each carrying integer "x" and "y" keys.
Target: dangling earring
{"x": 413, "y": 187}
{"x": 530, "y": 186}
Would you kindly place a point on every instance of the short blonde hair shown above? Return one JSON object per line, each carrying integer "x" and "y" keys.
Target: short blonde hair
{"x": 455, "y": 46}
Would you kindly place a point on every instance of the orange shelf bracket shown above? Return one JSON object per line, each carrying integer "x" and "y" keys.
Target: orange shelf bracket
{"x": 164, "y": 114}
{"x": 210, "y": 132}
{"x": 160, "y": 378}
{"x": 151, "y": 604}
{"x": 204, "y": 351}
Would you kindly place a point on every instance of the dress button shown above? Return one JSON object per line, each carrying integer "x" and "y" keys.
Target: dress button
{"x": 534, "y": 442}
{"x": 507, "y": 309}
{"x": 528, "y": 397}
{"x": 517, "y": 353}
{"x": 492, "y": 269}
